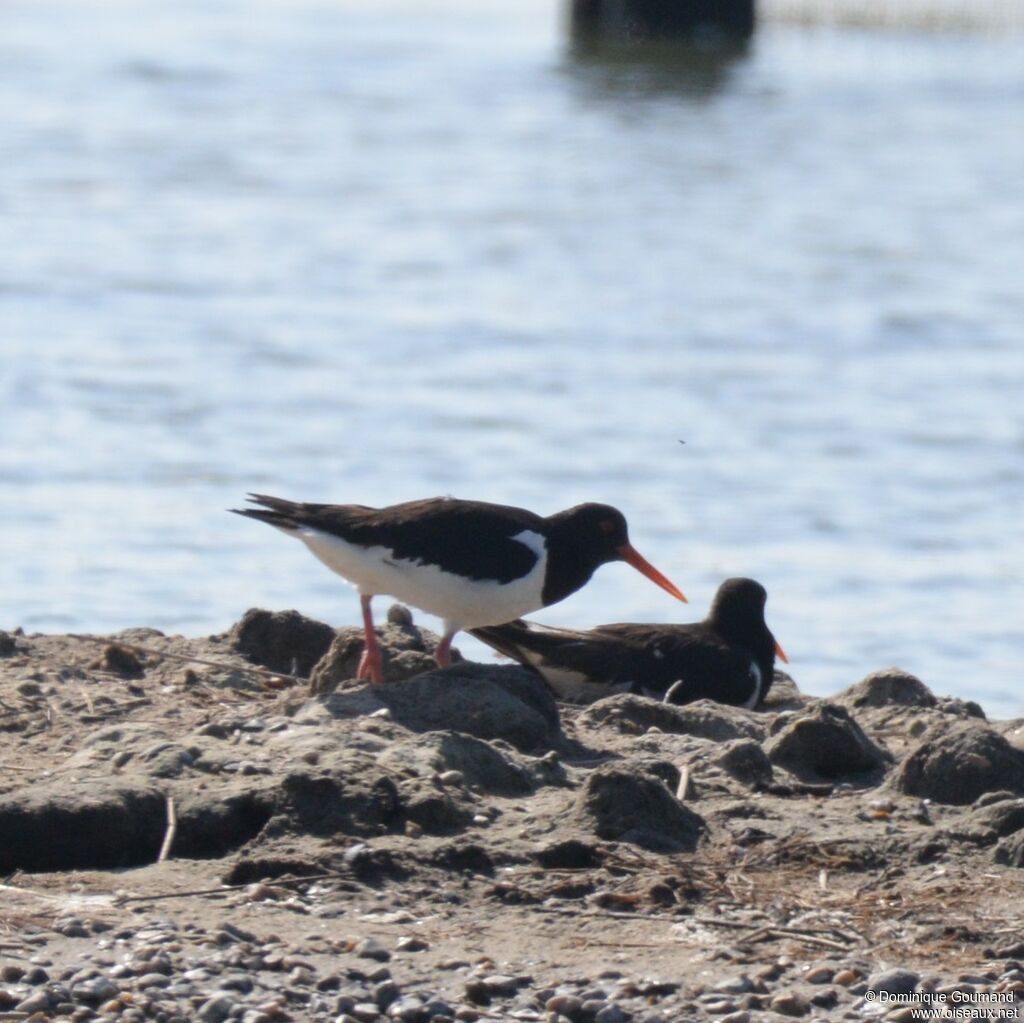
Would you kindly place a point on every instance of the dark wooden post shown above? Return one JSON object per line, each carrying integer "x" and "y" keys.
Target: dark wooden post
{"x": 607, "y": 20}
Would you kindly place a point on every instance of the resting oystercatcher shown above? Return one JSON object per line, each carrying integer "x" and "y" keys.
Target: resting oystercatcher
{"x": 470, "y": 563}
{"x": 728, "y": 657}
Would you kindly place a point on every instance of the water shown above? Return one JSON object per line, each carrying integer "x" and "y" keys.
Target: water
{"x": 369, "y": 252}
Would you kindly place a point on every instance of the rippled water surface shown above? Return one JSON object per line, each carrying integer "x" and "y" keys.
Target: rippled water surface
{"x": 368, "y": 252}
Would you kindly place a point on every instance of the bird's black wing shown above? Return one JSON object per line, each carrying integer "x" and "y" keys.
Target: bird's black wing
{"x": 468, "y": 538}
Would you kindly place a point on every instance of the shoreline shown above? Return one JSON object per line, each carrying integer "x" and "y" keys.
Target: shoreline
{"x": 457, "y": 845}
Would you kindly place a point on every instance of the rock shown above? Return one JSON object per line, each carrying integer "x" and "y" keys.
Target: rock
{"x": 612, "y": 1014}
{"x": 784, "y": 694}
{"x": 284, "y": 641}
{"x": 621, "y": 806}
{"x": 486, "y": 701}
{"x": 1010, "y": 851}
{"x": 886, "y": 688}
{"x": 704, "y": 718}
{"x": 958, "y": 763}
{"x": 370, "y": 948}
{"x": 565, "y": 1005}
{"x": 407, "y": 651}
{"x": 746, "y": 761}
{"x": 820, "y": 974}
{"x": 121, "y": 660}
{"x": 990, "y": 822}
{"x": 893, "y": 982}
{"x": 323, "y": 803}
{"x": 825, "y": 743}
{"x": 38, "y": 1001}
{"x": 790, "y": 1003}
{"x": 567, "y": 854}
{"x": 216, "y": 1009}
{"x": 75, "y": 825}
{"x": 478, "y": 763}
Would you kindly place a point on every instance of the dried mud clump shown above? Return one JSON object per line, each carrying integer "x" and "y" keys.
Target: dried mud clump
{"x": 619, "y": 805}
{"x": 826, "y": 743}
{"x": 407, "y": 650}
{"x": 959, "y": 763}
{"x": 703, "y": 719}
{"x": 284, "y": 641}
{"x": 886, "y": 688}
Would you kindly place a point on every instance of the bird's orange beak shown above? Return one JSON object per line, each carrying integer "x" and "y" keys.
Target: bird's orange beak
{"x": 780, "y": 653}
{"x": 642, "y": 565}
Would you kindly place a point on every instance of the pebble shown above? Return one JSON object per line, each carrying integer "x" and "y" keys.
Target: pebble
{"x": 371, "y": 948}
{"x": 612, "y": 1014}
{"x": 565, "y": 1005}
{"x": 820, "y": 975}
{"x": 216, "y": 1009}
{"x": 893, "y": 982}
{"x": 790, "y": 1003}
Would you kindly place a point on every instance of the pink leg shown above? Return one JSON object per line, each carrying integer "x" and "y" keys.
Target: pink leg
{"x": 443, "y": 653}
{"x": 371, "y": 664}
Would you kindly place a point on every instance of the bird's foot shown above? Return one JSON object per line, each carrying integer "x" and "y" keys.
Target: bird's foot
{"x": 443, "y": 653}
{"x": 371, "y": 665}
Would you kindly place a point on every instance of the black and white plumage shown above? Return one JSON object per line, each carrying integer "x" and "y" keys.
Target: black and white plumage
{"x": 728, "y": 657}
{"x": 471, "y": 563}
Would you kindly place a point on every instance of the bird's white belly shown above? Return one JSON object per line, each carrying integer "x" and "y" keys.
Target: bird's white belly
{"x": 755, "y": 672}
{"x": 463, "y": 603}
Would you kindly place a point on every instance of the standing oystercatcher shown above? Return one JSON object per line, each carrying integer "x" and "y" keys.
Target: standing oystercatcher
{"x": 728, "y": 657}
{"x": 470, "y": 563}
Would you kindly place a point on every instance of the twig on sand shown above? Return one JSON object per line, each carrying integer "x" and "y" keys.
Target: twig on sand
{"x": 684, "y": 783}
{"x": 226, "y": 889}
{"x": 800, "y": 934}
{"x": 172, "y": 830}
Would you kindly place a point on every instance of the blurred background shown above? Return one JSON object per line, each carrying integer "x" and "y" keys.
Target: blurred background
{"x": 762, "y": 294}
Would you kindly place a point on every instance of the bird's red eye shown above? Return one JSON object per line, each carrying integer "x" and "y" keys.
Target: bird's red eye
{"x": 606, "y": 526}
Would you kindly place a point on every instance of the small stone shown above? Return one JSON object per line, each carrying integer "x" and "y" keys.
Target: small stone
{"x": 216, "y": 1009}
{"x": 844, "y": 978}
{"x": 407, "y": 1009}
{"x": 790, "y": 1003}
{"x": 501, "y": 984}
{"x": 720, "y": 1007}
{"x": 38, "y": 1001}
{"x": 893, "y": 982}
{"x": 399, "y": 614}
{"x": 386, "y": 993}
{"x": 612, "y": 1014}
{"x": 94, "y": 991}
{"x": 564, "y": 1005}
{"x": 370, "y": 948}
{"x": 736, "y": 1017}
{"x": 736, "y": 985}
{"x": 152, "y": 980}
{"x": 477, "y": 991}
{"x": 452, "y": 778}
{"x": 820, "y": 974}
{"x": 411, "y": 943}
{"x": 365, "y": 1012}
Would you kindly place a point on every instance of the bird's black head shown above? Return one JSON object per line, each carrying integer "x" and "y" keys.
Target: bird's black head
{"x": 585, "y": 537}
{"x": 598, "y": 529}
{"x": 739, "y": 602}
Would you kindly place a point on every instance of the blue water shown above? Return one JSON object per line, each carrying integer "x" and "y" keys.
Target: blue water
{"x": 366, "y": 252}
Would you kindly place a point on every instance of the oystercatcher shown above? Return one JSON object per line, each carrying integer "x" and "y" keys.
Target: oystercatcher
{"x": 470, "y": 563}
{"x": 728, "y": 657}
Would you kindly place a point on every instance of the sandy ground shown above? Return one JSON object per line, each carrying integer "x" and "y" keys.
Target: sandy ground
{"x": 697, "y": 862}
